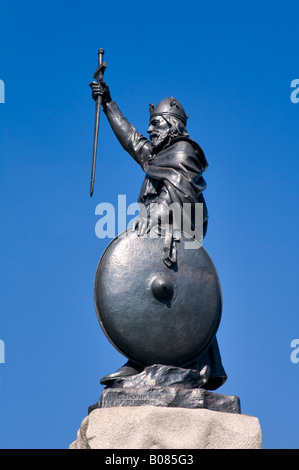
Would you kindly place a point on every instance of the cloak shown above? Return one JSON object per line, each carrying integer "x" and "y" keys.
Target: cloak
{"x": 174, "y": 175}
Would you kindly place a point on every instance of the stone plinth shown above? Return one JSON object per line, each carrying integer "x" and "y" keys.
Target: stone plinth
{"x": 153, "y": 427}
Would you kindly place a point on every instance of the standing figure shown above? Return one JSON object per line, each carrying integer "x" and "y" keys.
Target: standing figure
{"x": 173, "y": 166}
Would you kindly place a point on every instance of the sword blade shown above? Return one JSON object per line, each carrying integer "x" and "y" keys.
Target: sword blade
{"x": 95, "y": 142}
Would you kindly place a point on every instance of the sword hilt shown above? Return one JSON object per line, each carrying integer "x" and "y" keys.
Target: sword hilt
{"x": 100, "y": 56}
{"x": 99, "y": 73}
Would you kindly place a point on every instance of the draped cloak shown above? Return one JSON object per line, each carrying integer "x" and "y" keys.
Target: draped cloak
{"x": 174, "y": 176}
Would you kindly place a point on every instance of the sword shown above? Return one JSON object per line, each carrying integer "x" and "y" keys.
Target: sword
{"x": 98, "y": 76}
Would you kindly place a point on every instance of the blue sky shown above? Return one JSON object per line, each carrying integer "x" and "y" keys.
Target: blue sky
{"x": 231, "y": 65}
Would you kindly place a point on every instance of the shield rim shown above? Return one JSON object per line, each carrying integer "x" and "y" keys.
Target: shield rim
{"x": 209, "y": 342}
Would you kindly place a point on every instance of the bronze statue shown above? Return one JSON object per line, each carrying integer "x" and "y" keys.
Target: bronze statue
{"x": 173, "y": 166}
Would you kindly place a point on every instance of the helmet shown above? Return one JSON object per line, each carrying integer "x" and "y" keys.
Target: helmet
{"x": 169, "y": 107}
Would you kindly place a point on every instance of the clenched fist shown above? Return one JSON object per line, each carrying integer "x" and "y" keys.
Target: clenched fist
{"x": 100, "y": 89}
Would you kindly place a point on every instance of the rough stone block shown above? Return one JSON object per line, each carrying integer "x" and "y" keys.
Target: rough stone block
{"x": 151, "y": 427}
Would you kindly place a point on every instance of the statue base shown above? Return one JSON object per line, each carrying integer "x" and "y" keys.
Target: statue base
{"x": 166, "y": 386}
{"x": 152, "y": 427}
{"x": 165, "y": 407}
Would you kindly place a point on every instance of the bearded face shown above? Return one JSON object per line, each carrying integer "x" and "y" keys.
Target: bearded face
{"x": 159, "y": 131}
{"x": 162, "y": 130}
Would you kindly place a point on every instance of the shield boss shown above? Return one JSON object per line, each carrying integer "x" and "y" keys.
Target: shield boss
{"x": 151, "y": 313}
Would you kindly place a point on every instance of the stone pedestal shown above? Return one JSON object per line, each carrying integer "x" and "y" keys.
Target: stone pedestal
{"x": 156, "y": 427}
{"x": 166, "y": 407}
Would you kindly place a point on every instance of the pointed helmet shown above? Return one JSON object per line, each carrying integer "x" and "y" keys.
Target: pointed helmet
{"x": 169, "y": 107}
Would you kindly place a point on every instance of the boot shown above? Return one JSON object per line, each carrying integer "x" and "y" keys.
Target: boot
{"x": 129, "y": 368}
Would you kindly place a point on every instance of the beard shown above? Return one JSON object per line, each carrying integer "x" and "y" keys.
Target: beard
{"x": 159, "y": 139}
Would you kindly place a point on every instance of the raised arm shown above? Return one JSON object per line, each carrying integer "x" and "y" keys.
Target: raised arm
{"x": 138, "y": 146}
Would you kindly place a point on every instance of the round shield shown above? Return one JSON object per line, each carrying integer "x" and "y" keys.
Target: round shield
{"x": 151, "y": 313}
